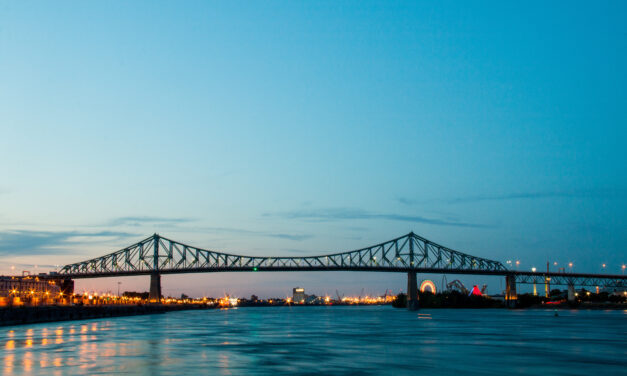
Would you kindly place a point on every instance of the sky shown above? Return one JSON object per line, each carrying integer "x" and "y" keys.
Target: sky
{"x": 304, "y": 128}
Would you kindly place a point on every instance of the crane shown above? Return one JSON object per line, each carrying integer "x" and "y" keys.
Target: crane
{"x": 339, "y": 298}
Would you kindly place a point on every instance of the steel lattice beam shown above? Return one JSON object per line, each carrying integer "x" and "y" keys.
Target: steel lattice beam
{"x": 159, "y": 254}
{"x": 575, "y": 279}
{"x": 406, "y": 253}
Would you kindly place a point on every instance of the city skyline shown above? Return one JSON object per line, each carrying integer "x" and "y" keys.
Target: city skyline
{"x": 316, "y": 130}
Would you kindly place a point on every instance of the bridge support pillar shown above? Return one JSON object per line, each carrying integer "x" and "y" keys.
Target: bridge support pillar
{"x": 571, "y": 292}
{"x": 510, "y": 291}
{"x": 412, "y": 291}
{"x": 155, "y": 288}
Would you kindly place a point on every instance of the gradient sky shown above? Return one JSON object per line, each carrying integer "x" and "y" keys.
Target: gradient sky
{"x": 295, "y": 128}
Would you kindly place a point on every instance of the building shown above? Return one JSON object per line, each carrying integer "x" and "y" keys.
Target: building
{"x": 42, "y": 289}
{"x": 298, "y": 295}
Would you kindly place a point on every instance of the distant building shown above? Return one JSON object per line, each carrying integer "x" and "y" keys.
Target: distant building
{"x": 31, "y": 289}
{"x": 298, "y": 295}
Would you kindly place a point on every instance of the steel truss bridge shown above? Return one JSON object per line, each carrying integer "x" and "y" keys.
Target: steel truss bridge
{"x": 410, "y": 254}
{"x": 166, "y": 256}
{"x": 573, "y": 279}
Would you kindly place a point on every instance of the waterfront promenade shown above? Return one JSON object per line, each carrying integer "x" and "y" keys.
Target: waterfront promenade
{"x": 10, "y": 316}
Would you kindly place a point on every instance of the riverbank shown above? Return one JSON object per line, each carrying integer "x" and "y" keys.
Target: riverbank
{"x": 580, "y": 305}
{"x": 31, "y": 315}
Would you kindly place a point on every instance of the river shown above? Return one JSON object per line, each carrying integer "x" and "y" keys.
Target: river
{"x": 341, "y": 340}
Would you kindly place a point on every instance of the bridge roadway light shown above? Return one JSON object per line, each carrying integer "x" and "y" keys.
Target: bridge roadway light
{"x": 533, "y": 269}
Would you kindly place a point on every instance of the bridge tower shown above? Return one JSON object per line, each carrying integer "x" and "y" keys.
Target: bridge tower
{"x": 510, "y": 291}
{"x": 547, "y": 282}
{"x": 412, "y": 281}
{"x": 155, "y": 277}
{"x": 571, "y": 292}
{"x": 412, "y": 291}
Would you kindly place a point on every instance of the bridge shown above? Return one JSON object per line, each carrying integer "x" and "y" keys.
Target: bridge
{"x": 411, "y": 254}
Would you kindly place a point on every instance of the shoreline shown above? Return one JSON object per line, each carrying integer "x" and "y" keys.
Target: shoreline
{"x": 14, "y": 316}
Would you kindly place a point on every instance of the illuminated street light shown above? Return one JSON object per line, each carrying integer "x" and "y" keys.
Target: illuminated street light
{"x": 533, "y": 269}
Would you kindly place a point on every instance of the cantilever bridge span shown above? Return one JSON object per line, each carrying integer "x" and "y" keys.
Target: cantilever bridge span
{"x": 410, "y": 254}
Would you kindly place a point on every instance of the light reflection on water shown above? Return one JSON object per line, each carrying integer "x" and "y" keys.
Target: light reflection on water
{"x": 332, "y": 340}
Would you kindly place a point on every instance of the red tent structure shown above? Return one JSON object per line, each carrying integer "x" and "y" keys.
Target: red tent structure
{"x": 475, "y": 291}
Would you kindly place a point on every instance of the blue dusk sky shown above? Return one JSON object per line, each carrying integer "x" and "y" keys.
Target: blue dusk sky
{"x": 298, "y": 128}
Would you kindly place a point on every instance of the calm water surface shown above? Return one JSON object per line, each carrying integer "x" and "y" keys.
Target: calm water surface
{"x": 325, "y": 340}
